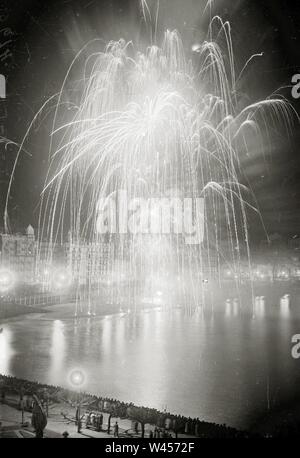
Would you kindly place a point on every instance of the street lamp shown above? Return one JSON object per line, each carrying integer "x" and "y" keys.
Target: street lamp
{"x": 46, "y": 400}
{"x": 22, "y": 405}
{"x": 77, "y": 379}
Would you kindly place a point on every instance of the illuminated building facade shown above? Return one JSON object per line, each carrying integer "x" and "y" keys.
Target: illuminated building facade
{"x": 18, "y": 254}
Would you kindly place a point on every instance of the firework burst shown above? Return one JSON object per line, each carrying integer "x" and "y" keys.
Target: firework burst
{"x": 153, "y": 122}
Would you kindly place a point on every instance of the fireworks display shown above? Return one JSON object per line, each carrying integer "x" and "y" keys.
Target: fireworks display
{"x": 154, "y": 123}
{"x": 150, "y": 245}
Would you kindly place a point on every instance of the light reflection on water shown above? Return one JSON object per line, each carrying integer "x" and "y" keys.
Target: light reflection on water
{"x": 57, "y": 351}
{"x": 212, "y": 365}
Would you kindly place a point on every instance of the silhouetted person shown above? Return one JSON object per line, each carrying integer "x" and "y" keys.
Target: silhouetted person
{"x": 116, "y": 430}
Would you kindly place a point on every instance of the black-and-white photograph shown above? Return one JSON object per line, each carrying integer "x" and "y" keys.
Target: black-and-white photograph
{"x": 149, "y": 221}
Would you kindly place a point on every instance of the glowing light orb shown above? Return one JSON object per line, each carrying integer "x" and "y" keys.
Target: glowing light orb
{"x": 7, "y": 280}
{"x": 196, "y": 47}
{"x": 61, "y": 279}
{"x": 77, "y": 378}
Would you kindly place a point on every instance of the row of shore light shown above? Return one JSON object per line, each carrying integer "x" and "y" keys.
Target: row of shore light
{"x": 58, "y": 279}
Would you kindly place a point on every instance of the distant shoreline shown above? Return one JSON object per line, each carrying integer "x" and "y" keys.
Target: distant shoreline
{"x": 66, "y": 310}
{"x": 8, "y": 310}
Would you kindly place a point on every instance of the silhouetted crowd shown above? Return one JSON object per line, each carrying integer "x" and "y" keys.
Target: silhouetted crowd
{"x": 163, "y": 422}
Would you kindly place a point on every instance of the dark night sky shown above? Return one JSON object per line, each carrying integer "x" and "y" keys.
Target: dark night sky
{"x": 46, "y": 36}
